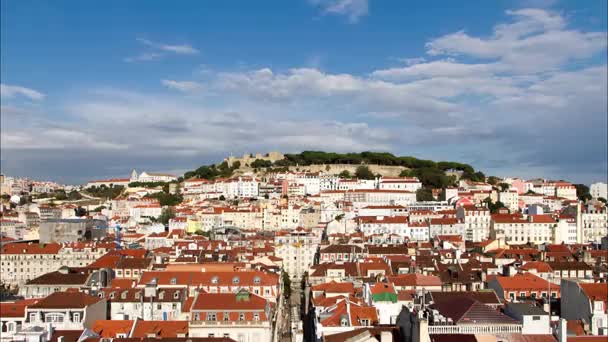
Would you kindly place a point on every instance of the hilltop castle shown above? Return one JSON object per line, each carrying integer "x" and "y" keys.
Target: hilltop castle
{"x": 250, "y": 157}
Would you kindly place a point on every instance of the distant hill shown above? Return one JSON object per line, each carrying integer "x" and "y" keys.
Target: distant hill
{"x": 431, "y": 173}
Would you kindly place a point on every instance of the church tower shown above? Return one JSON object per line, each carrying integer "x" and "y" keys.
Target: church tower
{"x": 134, "y": 176}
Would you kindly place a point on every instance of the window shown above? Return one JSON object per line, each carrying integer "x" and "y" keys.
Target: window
{"x": 536, "y": 318}
{"x": 226, "y": 316}
{"x": 241, "y": 316}
{"x": 235, "y": 280}
{"x": 522, "y": 295}
{"x": 215, "y": 280}
{"x": 173, "y": 281}
{"x": 76, "y": 317}
{"x": 256, "y": 316}
{"x": 53, "y": 318}
{"x": 256, "y": 280}
{"x": 211, "y": 316}
{"x": 32, "y": 317}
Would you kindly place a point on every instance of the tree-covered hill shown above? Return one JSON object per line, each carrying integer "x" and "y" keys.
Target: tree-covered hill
{"x": 431, "y": 173}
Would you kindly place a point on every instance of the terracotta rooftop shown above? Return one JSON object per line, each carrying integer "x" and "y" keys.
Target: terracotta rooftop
{"x": 65, "y": 300}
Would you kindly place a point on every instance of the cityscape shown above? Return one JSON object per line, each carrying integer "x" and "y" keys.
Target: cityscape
{"x": 458, "y": 191}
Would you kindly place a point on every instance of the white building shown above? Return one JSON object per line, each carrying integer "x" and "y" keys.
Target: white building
{"x": 23, "y": 262}
{"x": 510, "y": 199}
{"x": 598, "y": 190}
{"x": 399, "y": 225}
{"x": 565, "y": 190}
{"x": 143, "y": 212}
{"x": 399, "y": 183}
{"x": 297, "y": 248}
{"x": 362, "y": 198}
{"x": 152, "y": 304}
{"x": 242, "y": 316}
{"x": 476, "y": 222}
{"x": 149, "y": 177}
{"x": 593, "y": 223}
{"x": 566, "y": 230}
{"x": 446, "y": 226}
{"x": 519, "y": 230}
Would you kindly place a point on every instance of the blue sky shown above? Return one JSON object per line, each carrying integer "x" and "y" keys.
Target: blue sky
{"x": 92, "y": 90}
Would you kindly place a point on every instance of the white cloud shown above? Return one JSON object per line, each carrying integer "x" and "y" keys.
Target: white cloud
{"x": 535, "y": 41}
{"x": 412, "y": 61}
{"x": 540, "y": 115}
{"x": 160, "y": 50}
{"x": 11, "y": 91}
{"x": 183, "y": 86}
{"x": 183, "y": 49}
{"x": 144, "y": 57}
{"x": 353, "y": 9}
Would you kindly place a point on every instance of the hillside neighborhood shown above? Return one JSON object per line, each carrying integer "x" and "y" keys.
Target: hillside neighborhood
{"x": 307, "y": 247}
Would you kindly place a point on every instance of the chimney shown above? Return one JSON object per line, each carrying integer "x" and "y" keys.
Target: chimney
{"x": 423, "y": 331}
{"x": 386, "y": 336}
{"x": 562, "y": 331}
{"x": 49, "y": 331}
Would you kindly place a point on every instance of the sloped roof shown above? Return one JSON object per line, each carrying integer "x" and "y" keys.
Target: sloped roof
{"x": 111, "y": 328}
{"x": 466, "y": 310}
{"x": 65, "y": 300}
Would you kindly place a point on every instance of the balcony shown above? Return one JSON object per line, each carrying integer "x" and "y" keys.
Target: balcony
{"x": 475, "y": 329}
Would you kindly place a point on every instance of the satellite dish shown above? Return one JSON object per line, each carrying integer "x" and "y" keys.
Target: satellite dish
{"x": 15, "y": 199}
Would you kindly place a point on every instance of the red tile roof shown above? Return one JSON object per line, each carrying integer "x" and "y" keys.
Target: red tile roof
{"x": 526, "y": 281}
{"x": 539, "y": 266}
{"x": 65, "y": 300}
{"x": 15, "y": 309}
{"x": 160, "y": 329}
{"x": 334, "y": 287}
{"x": 415, "y": 279}
{"x": 110, "y": 328}
{"x": 22, "y": 248}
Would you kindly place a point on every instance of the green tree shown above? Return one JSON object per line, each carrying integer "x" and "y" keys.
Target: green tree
{"x": 166, "y": 215}
{"x": 504, "y": 186}
{"x": 222, "y": 198}
{"x": 202, "y": 233}
{"x": 61, "y": 195}
{"x": 363, "y": 172}
{"x": 80, "y": 211}
{"x": 166, "y": 199}
{"x": 407, "y": 173}
{"x": 424, "y": 194}
{"x": 582, "y": 192}
{"x": 286, "y": 285}
{"x": 493, "y": 180}
{"x": 345, "y": 174}
{"x": 236, "y": 165}
{"x": 493, "y": 206}
{"x": 74, "y": 195}
{"x": 261, "y": 163}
